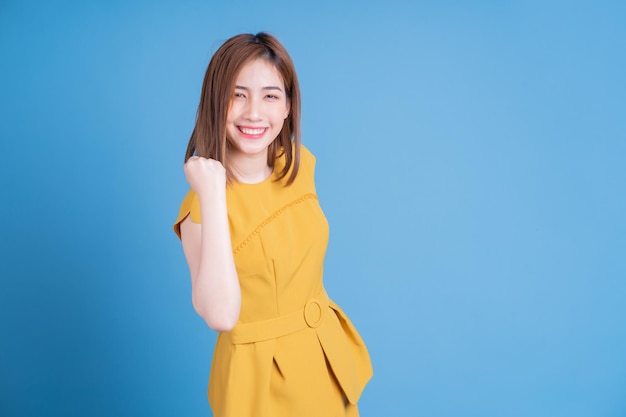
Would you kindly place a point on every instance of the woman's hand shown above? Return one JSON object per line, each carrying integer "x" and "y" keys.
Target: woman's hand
{"x": 205, "y": 176}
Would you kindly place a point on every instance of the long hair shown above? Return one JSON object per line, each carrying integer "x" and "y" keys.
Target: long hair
{"x": 208, "y": 138}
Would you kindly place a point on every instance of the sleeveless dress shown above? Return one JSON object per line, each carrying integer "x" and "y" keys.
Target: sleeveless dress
{"x": 293, "y": 351}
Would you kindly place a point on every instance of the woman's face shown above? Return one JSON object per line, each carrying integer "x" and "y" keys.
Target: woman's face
{"x": 258, "y": 109}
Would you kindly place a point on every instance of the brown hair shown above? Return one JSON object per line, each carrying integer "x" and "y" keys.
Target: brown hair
{"x": 208, "y": 138}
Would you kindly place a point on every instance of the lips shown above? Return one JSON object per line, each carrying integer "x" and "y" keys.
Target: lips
{"x": 252, "y": 131}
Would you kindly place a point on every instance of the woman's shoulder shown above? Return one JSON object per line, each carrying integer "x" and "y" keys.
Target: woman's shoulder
{"x": 305, "y": 165}
{"x": 306, "y": 151}
{"x": 190, "y": 206}
{"x": 307, "y": 159}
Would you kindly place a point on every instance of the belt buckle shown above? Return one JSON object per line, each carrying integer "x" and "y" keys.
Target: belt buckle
{"x": 313, "y": 313}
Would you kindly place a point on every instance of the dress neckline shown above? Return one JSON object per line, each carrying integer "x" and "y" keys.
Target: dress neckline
{"x": 269, "y": 178}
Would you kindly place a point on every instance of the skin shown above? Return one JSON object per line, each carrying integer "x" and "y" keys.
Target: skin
{"x": 255, "y": 117}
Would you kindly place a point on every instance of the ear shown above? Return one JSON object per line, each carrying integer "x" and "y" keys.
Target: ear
{"x": 287, "y": 109}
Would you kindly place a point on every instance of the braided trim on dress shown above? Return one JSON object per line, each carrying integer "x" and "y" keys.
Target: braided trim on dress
{"x": 274, "y": 216}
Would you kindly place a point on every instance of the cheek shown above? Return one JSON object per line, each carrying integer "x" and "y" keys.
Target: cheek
{"x": 278, "y": 115}
{"x": 230, "y": 116}
{"x": 233, "y": 111}
{"x": 280, "y": 121}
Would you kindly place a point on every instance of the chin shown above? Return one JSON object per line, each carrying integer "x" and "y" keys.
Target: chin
{"x": 252, "y": 149}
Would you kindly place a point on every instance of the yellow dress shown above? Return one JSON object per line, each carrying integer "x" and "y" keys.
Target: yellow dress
{"x": 293, "y": 351}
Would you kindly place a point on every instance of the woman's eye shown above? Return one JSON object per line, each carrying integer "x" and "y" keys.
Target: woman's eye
{"x": 271, "y": 96}
{"x": 239, "y": 95}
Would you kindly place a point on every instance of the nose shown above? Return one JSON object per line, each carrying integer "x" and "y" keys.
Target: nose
{"x": 253, "y": 109}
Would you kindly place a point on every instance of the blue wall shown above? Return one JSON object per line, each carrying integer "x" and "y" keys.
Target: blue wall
{"x": 470, "y": 162}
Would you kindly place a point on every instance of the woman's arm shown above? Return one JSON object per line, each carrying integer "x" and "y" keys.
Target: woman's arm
{"x": 216, "y": 295}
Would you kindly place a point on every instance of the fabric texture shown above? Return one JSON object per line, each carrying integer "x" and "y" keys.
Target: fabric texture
{"x": 293, "y": 352}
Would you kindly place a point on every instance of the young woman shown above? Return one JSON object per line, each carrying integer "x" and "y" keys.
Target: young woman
{"x": 254, "y": 237}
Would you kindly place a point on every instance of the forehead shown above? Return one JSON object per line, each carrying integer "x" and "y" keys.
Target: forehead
{"x": 259, "y": 72}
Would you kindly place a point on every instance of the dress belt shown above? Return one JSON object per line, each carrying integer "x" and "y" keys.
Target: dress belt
{"x": 311, "y": 315}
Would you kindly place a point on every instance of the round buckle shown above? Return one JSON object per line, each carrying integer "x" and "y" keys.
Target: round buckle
{"x": 313, "y": 313}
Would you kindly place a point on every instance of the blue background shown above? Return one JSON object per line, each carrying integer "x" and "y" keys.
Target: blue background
{"x": 470, "y": 163}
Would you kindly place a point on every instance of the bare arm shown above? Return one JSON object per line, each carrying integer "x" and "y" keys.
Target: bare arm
{"x": 216, "y": 295}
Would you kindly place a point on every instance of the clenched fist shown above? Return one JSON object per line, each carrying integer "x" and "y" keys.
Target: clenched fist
{"x": 205, "y": 176}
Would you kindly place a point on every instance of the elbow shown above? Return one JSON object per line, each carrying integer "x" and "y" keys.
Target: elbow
{"x": 221, "y": 324}
{"x": 223, "y": 319}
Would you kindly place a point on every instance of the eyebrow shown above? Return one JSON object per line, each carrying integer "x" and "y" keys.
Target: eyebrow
{"x": 271, "y": 87}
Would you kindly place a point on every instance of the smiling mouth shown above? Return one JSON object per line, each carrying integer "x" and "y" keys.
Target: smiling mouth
{"x": 252, "y": 131}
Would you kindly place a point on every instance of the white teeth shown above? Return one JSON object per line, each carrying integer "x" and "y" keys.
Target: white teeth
{"x": 248, "y": 131}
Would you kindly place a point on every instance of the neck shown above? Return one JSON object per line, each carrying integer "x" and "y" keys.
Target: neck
{"x": 251, "y": 169}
